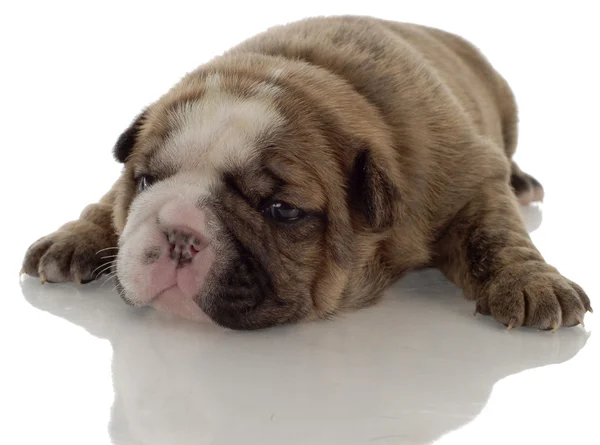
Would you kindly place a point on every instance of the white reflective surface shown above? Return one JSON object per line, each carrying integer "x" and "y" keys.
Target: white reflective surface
{"x": 409, "y": 370}
{"x": 80, "y": 367}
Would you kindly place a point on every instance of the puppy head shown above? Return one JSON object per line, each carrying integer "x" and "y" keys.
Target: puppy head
{"x": 240, "y": 202}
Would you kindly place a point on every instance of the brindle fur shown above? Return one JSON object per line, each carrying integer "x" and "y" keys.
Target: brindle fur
{"x": 399, "y": 136}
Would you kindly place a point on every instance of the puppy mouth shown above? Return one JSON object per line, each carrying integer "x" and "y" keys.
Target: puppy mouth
{"x": 163, "y": 294}
{"x": 174, "y": 301}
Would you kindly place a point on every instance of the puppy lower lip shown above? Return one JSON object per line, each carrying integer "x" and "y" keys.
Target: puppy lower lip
{"x": 161, "y": 293}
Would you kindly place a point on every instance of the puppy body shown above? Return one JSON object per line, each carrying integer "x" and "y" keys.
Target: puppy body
{"x": 392, "y": 141}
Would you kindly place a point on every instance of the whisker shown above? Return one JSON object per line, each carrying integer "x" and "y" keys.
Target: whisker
{"x": 99, "y": 267}
{"x": 120, "y": 292}
{"x": 108, "y": 248}
{"x": 109, "y": 277}
{"x": 108, "y": 256}
{"x": 111, "y": 274}
{"x": 100, "y": 273}
{"x": 106, "y": 266}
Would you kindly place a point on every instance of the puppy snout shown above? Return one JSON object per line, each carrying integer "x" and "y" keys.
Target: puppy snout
{"x": 183, "y": 225}
{"x": 185, "y": 243}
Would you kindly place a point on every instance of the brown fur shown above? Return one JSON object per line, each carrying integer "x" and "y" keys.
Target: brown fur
{"x": 399, "y": 137}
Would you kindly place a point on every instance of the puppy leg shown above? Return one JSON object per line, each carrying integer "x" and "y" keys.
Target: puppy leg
{"x": 526, "y": 187}
{"x": 79, "y": 251}
{"x": 487, "y": 252}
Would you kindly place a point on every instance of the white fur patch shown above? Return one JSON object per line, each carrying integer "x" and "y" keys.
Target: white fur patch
{"x": 219, "y": 130}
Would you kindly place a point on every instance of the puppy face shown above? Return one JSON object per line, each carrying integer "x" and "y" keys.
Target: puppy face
{"x": 238, "y": 203}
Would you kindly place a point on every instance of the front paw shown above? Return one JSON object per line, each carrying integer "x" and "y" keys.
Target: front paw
{"x": 536, "y": 295}
{"x": 79, "y": 251}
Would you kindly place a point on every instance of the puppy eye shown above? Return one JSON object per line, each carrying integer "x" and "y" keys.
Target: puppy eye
{"x": 144, "y": 181}
{"x": 283, "y": 212}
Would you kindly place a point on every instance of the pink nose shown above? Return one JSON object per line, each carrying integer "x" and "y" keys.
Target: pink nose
{"x": 185, "y": 244}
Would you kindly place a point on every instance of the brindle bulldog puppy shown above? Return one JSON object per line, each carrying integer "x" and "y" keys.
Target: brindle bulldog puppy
{"x": 304, "y": 171}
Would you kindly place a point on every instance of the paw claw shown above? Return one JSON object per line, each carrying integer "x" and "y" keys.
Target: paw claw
{"x": 589, "y": 309}
{"x": 511, "y": 324}
{"x": 22, "y": 272}
{"x": 76, "y": 278}
{"x": 581, "y": 323}
{"x": 555, "y": 328}
{"x": 43, "y": 278}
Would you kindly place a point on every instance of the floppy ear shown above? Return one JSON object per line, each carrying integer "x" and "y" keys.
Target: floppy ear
{"x": 126, "y": 141}
{"x": 372, "y": 192}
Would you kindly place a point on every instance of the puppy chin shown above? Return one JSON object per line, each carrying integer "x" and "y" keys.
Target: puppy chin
{"x": 173, "y": 301}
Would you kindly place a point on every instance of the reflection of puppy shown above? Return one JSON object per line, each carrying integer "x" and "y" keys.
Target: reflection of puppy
{"x": 306, "y": 169}
{"x": 176, "y": 383}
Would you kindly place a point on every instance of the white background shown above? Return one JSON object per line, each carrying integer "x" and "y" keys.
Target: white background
{"x": 418, "y": 368}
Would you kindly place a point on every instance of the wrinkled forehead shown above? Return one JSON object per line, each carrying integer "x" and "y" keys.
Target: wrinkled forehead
{"x": 218, "y": 131}
{"x": 228, "y": 131}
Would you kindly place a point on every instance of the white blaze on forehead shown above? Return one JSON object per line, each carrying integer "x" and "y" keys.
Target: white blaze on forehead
{"x": 219, "y": 130}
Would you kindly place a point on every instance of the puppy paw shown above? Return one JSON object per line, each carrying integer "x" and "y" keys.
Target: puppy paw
{"x": 79, "y": 251}
{"x": 534, "y": 295}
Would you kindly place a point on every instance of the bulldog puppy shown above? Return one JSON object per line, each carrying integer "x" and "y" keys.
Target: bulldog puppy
{"x": 304, "y": 171}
